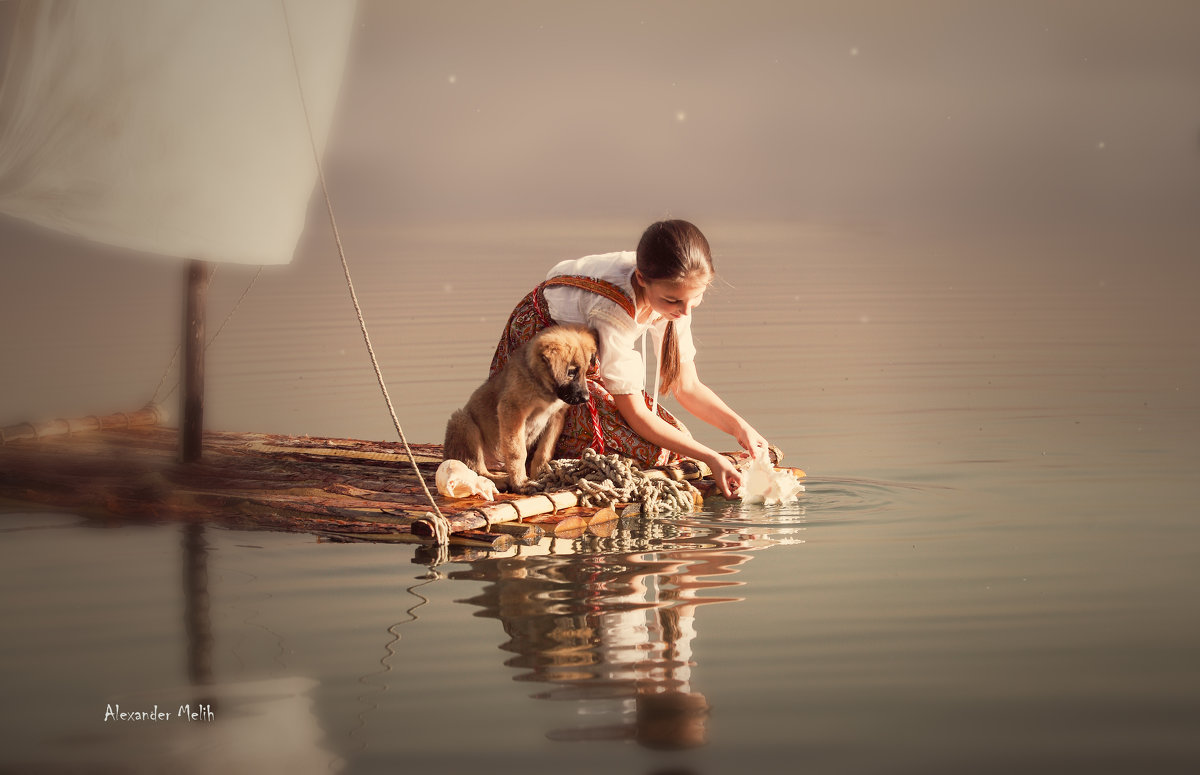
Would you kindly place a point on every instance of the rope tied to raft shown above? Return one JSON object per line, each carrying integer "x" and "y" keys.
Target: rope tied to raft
{"x": 441, "y": 526}
{"x": 604, "y": 480}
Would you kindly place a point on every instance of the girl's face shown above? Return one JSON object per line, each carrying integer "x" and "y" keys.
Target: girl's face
{"x": 673, "y": 299}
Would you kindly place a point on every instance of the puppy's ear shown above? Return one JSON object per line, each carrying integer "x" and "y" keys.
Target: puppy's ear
{"x": 594, "y": 349}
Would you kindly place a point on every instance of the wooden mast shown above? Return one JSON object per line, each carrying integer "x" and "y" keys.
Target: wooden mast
{"x": 191, "y": 427}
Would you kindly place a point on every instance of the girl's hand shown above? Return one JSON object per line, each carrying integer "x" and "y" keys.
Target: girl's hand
{"x": 751, "y": 440}
{"x": 726, "y": 475}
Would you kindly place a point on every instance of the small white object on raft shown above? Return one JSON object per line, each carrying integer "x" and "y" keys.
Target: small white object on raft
{"x": 763, "y": 483}
{"x": 455, "y": 480}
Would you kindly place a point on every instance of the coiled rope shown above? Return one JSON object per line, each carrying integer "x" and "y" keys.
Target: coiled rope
{"x": 604, "y": 480}
{"x": 441, "y": 526}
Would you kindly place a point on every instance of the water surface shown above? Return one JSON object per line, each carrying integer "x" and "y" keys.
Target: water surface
{"x": 993, "y": 566}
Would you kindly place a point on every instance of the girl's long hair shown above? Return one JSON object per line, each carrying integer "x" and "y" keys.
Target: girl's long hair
{"x": 673, "y": 250}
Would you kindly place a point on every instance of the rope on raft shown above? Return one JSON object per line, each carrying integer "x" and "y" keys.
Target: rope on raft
{"x": 441, "y": 526}
{"x": 605, "y": 480}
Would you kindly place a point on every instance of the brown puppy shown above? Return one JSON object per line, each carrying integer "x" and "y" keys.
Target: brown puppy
{"x": 523, "y": 405}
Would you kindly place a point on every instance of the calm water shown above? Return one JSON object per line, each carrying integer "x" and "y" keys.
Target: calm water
{"x": 993, "y": 567}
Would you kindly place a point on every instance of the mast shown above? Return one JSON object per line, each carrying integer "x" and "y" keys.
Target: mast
{"x": 136, "y": 100}
{"x": 191, "y": 427}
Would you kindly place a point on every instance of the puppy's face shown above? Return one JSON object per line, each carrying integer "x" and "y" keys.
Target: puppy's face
{"x": 567, "y": 353}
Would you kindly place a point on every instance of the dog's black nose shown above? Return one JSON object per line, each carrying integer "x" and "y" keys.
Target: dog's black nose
{"x": 573, "y": 394}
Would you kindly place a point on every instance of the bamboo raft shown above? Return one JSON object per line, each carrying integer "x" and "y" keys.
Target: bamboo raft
{"x": 123, "y": 468}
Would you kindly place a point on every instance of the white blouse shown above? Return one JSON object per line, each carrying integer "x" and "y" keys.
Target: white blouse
{"x": 622, "y": 367}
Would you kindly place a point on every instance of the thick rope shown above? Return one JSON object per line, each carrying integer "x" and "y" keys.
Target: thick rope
{"x": 604, "y": 480}
{"x": 441, "y": 526}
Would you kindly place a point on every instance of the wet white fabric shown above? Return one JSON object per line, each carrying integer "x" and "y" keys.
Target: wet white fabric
{"x": 170, "y": 127}
{"x": 622, "y": 368}
{"x": 763, "y": 483}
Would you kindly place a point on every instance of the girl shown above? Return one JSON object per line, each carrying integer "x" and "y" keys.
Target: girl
{"x": 623, "y": 296}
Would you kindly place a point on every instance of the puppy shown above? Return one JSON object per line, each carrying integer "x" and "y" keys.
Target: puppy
{"x": 522, "y": 407}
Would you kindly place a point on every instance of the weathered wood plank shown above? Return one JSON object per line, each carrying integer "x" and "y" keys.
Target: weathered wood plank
{"x": 356, "y": 489}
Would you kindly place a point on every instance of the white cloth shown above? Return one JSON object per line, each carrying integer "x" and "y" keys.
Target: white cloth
{"x": 621, "y": 364}
{"x": 171, "y": 127}
{"x": 765, "y": 484}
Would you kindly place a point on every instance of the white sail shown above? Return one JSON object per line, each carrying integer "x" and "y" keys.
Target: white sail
{"x": 173, "y": 127}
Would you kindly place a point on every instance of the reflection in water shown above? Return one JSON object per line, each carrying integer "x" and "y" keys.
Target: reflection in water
{"x": 197, "y": 622}
{"x": 613, "y": 631}
{"x": 244, "y": 725}
{"x": 374, "y": 682}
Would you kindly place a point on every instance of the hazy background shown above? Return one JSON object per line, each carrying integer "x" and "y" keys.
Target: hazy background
{"x": 995, "y": 111}
{"x": 548, "y": 130}
{"x": 1008, "y": 113}
{"x": 946, "y": 111}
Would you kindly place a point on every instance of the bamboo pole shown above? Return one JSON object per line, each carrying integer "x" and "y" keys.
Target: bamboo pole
{"x": 503, "y": 511}
{"x": 427, "y": 554}
{"x": 150, "y": 414}
{"x": 580, "y": 516}
{"x": 572, "y": 526}
{"x": 603, "y": 516}
{"x": 470, "y": 539}
{"x": 523, "y": 532}
{"x": 497, "y": 542}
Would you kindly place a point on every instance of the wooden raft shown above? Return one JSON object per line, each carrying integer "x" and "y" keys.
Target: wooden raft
{"x": 347, "y": 489}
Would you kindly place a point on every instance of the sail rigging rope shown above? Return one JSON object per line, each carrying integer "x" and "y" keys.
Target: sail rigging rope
{"x": 441, "y": 526}
{"x": 175, "y": 357}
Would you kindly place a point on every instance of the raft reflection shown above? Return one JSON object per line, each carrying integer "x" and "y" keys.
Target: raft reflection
{"x": 613, "y": 632}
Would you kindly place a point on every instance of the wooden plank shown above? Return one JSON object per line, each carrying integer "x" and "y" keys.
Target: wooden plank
{"x": 270, "y": 481}
{"x": 497, "y": 542}
{"x": 602, "y": 516}
{"x": 522, "y": 532}
{"x": 603, "y": 529}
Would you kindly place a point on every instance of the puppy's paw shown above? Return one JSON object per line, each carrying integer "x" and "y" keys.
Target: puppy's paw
{"x": 499, "y": 480}
{"x": 529, "y": 488}
{"x": 487, "y": 489}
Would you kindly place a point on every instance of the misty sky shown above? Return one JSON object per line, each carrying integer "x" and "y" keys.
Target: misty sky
{"x": 807, "y": 110}
{"x": 1079, "y": 112}
{"x": 944, "y": 114}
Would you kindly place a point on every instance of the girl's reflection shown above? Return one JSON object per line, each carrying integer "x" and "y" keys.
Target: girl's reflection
{"x": 612, "y": 633}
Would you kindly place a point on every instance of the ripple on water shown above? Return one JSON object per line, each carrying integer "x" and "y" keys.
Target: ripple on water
{"x": 826, "y": 502}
